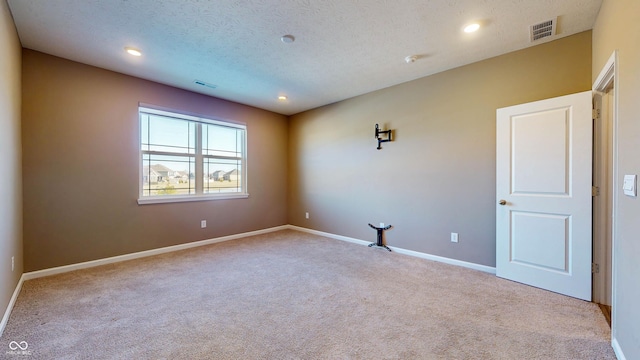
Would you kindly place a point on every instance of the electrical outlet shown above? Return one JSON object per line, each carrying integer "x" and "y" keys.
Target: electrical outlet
{"x": 381, "y": 225}
{"x": 13, "y": 264}
{"x": 454, "y": 237}
{"x": 203, "y": 224}
{"x": 306, "y": 215}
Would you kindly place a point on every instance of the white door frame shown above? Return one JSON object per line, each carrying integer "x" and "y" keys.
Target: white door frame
{"x": 605, "y": 79}
{"x": 602, "y": 181}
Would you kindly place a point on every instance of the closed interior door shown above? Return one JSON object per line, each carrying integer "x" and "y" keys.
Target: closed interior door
{"x": 543, "y": 187}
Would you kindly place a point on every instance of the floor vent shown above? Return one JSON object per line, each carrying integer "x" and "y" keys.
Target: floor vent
{"x": 543, "y": 30}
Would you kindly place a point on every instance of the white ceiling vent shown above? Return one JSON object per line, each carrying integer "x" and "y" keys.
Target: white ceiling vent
{"x": 202, "y": 83}
{"x": 543, "y": 30}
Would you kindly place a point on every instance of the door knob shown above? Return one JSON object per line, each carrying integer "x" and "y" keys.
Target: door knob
{"x": 502, "y": 202}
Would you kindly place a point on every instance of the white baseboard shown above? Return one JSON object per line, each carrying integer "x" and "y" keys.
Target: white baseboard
{"x": 617, "y": 350}
{"x": 141, "y": 254}
{"x": 12, "y": 302}
{"x": 484, "y": 268}
{"x": 330, "y": 235}
{"x": 470, "y": 265}
{"x": 115, "y": 259}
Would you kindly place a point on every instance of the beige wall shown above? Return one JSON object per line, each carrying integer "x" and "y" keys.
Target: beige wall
{"x": 10, "y": 153}
{"x": 79, "y": 135}
{"x": 438, "y": 175}
{"x": 617, "y": 28}
{"x": 80, "y": 165}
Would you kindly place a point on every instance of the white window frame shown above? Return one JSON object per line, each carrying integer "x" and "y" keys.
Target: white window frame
{"x": 199, "y": 159}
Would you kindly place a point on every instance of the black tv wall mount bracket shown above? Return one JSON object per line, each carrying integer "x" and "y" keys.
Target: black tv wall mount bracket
{"x": 381, "y": 132}
{"x": 380, "y": 242}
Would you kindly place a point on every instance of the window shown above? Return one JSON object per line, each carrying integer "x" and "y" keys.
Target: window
{"x": 188, "y": 158}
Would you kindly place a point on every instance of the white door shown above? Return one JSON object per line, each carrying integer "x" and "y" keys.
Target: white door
{"x": 543, "y": 211}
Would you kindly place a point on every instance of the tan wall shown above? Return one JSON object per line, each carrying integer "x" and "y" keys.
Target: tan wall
{"x": 10, "y": 153}
{"x": 617, "y": 27}
{"x": 438, "y": 175}
{"x": 80, "y": 149}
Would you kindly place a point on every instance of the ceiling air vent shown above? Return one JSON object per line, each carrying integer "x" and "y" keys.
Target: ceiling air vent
{"x": 543, "y": 30}
{"x": 202, "y": 83}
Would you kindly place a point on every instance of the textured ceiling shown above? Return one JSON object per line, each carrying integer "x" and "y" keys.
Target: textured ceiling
{"x": 343, "y": 48}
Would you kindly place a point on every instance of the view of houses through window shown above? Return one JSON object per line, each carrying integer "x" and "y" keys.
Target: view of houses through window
{"x": 162, "y": 180}
{"x": 190, "y": 156}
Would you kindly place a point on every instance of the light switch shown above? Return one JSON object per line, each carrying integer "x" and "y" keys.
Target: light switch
{"x": 629, "y": 185}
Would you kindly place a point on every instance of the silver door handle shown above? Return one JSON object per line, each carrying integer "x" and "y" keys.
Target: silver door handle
{"x": 502, "y": 202}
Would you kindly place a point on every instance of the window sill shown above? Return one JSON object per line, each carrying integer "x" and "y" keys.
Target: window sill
{"x": 175, "y": 199}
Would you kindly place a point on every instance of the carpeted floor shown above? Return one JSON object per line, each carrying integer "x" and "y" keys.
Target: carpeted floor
{"x": 292, "y": 295}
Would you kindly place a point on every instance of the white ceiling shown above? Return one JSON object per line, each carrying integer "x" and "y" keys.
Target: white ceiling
{"x": 343, "y": 48}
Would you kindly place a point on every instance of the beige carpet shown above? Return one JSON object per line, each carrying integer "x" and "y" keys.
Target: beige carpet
{"x": 291, "y": 295}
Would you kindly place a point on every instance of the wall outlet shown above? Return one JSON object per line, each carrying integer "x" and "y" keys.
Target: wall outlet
{"x": 454, "y": 237}
{"x": 381, "y": 225}
{"x": 306, "y": 215}
{"x": 13, "y": 264}
{"x": 203, "y": 224}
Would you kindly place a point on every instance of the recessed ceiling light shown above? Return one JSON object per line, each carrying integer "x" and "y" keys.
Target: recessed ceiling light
{"x": 472, "y": 28}
{"x": 287, "y": 39}
{"x": 133, "y": 51}
{"x": 282, "y": 98}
